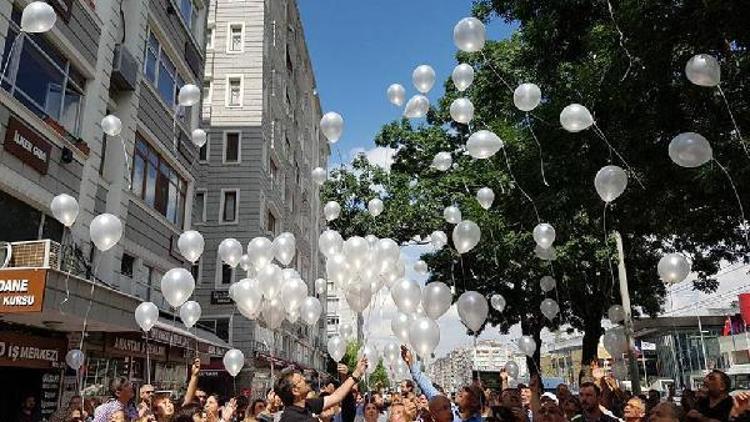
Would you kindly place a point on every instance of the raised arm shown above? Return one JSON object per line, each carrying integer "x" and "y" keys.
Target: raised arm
{"x": 193, "y": 383}
{"x": 423, "y": 381}
{"x": 341, "y": 392}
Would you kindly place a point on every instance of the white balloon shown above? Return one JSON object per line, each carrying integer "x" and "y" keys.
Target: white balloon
{"x": 442, "y": 161}
{"x": 466, "y": 235}
{"x": 512, "y": 369}
{"x": 320, "y": 286}
{"x": 146, "y": 315}
{"x": 375, "y": 207}
{"x": 483, "y": 144}
{"x": 75, "y": 358}
{"x": 424, "y": 336}
{"x": 356, "y": 251}
{"x": 388, "y": 249}
{"x": 527, "y": 96}
{"x": 111, "y": 125}
{"x": 190, "y": 313}
{"x": 462, "y": 76}
{"x": 703, "y": 70}
{"x": 452, "y": 214}
{"x": 230, "y": 252}
{"x": 198, "y": 137}
{"x": 575, "y": 118}
{"x": 420, "y": 267}
{"x": 319, "y": 176}
{"x": 373, "y": 357}
{"x": 400, "y": 327}
{"x": 690, "y": 150}
{"x": 498, "y": 302}
{"x": 358, "y": 296}
{"x": 331, "y": 210}
{"x": 284, "y": 247}
{"x": 544, "y": 235}
{"x": 330, "y": 243}
{"x": 292, "y": 316}
{"x": 673, "y": 268}
{"x": 270, "y": 278}
{"x": 545, "y": 254}
{"x": 189, "y": 95}
{"x": 391, "y": 352}
{"x": 485, "y": 197}
{"x": 396, "y": 94}
{"x": 261, "y": 252}
{"x": 105, "y": 231}
{"x": 177, "y": 285}
{"x": 65, "y": 209}
{"x": 406, "y": 295}
{"x": 616, "y": 314}
{"x": 436, "y": 299}
{"x": 527, "y": 345}
{"x": 423, "y": 78}
{"x": 247, "y": 295}
{"x": 293, "y": 293}
{"x": 273, "y": 313}
{"x": 615, "y": 342}
{"x": 336, "y": 348}
{"x": 372, "y": 240}
{"x": 417, "y": 107}
{"x": 549, "y": 308}
{"x": 190, "y": 244}
{"x": 234, "y": 360}
{"x": 247, "y": 264}
{"x": 547, "y": 283}
{"x": 332, "y": 126}
{"x": 469, "y": 35}
{"x": 438, "y": 239}
{"x": 347, "y": 331}
{"x": 462, "y": 110}
{"x": 339, "y": 270}
{"x": 310, "y": 310}
{"x": 472, "y": 309}
{"x": 37, "y": 17}
{"x": 610, "y": 182}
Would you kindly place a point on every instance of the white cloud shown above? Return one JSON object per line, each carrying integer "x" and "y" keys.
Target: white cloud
{"x": 379, "y": 156}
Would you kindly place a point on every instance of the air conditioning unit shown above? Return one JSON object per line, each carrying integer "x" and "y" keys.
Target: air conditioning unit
{"x": 124, "y": 70}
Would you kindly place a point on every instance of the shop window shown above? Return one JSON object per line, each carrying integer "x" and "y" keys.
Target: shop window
{"x": 126, "y": 265}
{"x": 157, "y": 183}
{"x": 232, "y": 152}
{"x": 43, "y": 79}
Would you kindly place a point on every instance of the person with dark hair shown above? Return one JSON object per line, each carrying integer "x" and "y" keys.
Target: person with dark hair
{"x": 121, "y": 395}
{"x": 407, "y": 388}
{"x": 572, "y": 408}
{"x": 590, "y": 395}
{"x": 664, "y": 412}
{"x": 191, "y": 412}
{"x": 293, "y": 388}
{"x": 717, "y": 404}
{"x": 162, "y": 408}
{"x": 28, "y": 411}
{"x": 254, "y": 409}
{"x": 63, "y": 413}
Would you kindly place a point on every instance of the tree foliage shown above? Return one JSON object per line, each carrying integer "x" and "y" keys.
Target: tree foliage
{"x": 574, "y": 52}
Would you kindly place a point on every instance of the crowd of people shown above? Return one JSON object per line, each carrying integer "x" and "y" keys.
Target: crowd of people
{"x": 339, "y": 399}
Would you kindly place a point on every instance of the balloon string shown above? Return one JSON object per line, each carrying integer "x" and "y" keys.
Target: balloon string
{"x": 91, "y": 302}
{"x": 734, "y": 122}
{"x": 148, "y": 359}
{"x": 622, "y": 41}
{"x": 739, "y": 202}
{"x": 494, "y": 70}
{"x": 609, "y": 258}
{"x": 601, "y": 135}
{"x": 11, "y": 52}
{"x": 539, "y": 145}
{"x": 127, "y": 163}
{"x": 67, "y": 273}
{"x": 507, "y": 163}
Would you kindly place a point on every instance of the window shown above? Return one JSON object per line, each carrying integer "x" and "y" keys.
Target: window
{"x": 236, "y": 37}
{"x": 200, "y": 207}
{"x": 271, "y": 223}
{"x": 274, "y": 170}
{"x": 229, "y": 205}
{"x": 150, "y": 275}
{"x": 289, "y": 65}
{"x": 333, "y": 320}
{"x": 157, "y": 183}
{"x": 196, "y": 269}
{"x": 203, "y": 153}
{"x": 188, "y": 13}
{"x": 42, "y": 79}
{"x": 210, "y": 38}
{"x": 231, "y": 147}
{"x": 126, "y": 265}
{"x": 220, "y": 326}
{"x": 207, "y": 91}
{"x": 234, "y": 91}
{"x": 227, "y": 274}
{"x": 161, "y": 72}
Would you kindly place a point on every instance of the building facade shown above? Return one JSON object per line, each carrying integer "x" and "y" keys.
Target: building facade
{"x": 261, "y": 111}
{"x": 127, "y": 58}
{"x": 339, "y": 314}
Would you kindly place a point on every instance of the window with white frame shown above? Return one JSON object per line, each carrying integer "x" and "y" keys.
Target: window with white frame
{"x": 236, "y": 37}
{"x": 234, "y": 91}
{"x": 160, "y": 70}
{"x": 41, "y": 78}
{"x": 232, "y": 154}
{"x": 229, "y": 207}
{"x": 210, "y": 36}
{"x": 200, "y": 206}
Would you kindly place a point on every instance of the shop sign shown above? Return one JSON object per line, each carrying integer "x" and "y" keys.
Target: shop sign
{"x": 21, "y": 290}
{"x": 169, "y": 337}
{"x": 31, "y": 352}
{"x": 27, "y": 146}
{"x": 137, "y": 347}
{"x": 220, "y": 297}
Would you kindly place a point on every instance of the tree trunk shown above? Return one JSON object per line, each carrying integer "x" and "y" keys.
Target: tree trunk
{"x": 592, "y": 332}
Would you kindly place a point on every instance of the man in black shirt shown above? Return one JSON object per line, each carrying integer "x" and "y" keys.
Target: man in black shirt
{"x": 293, "y": 388}
{"x": 717, "y": 405}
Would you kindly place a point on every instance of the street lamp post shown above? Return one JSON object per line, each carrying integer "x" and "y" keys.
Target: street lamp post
{"x": 625, "y": 296}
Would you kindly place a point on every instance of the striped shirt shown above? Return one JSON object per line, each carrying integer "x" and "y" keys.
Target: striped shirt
{"x": 105, "y": 411}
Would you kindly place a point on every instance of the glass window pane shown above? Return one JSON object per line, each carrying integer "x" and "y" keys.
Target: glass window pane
{"x": 162, "y": 193}
{"x": 186, "y": 11}
{"x": 232, "y": 147}
{"x": 226, "y": 274}
{"x": 150, "y": 66}
{"x": 172, "y": 204}
{"x": 203, "y": 152}
{"x": 138, "y": 175}
{"x": 230, "y": 199}
{"x": 166, "y": 79}
{"x": 71, "y": 110}
{"x": 200, "y": 200}
{"x": 150, "y": 184}
{"x": 40, "y": 80}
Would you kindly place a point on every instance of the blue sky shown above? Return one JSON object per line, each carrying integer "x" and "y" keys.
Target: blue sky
{"x": 359, "y": 48}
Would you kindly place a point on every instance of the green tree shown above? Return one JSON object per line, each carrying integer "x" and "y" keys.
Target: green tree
{"x": 636, "y": 89}
{"x": 378, "y": 379}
